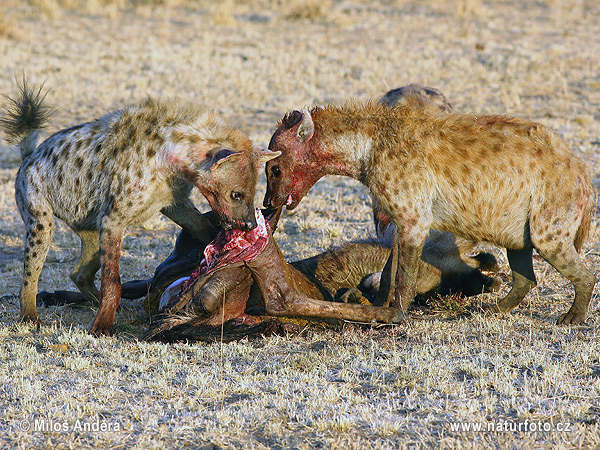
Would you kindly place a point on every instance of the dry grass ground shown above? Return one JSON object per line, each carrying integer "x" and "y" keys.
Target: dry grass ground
{"x": 391, "y": 387}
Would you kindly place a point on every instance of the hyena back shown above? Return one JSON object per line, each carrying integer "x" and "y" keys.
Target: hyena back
{"x": 102, "y": 176}
{"x": 504, "y": 180}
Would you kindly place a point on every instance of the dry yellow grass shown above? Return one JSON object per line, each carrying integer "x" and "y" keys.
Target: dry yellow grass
{"x": 391, "y": 387}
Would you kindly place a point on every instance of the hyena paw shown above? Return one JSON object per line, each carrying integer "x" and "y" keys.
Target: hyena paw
{"x": 571, "y": 319}
{"x": 30, "y": 318}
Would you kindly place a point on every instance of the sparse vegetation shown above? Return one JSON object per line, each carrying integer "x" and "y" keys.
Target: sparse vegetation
{"x": 307, "y": 9}
{"x": 400, "y": 386}
{"x": 452, "y": 305}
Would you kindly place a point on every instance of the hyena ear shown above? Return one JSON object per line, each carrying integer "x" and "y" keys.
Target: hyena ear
{"x": 263, "y": 154}
{"x": 217, "y": 157}
{"x": 306, "y": 128}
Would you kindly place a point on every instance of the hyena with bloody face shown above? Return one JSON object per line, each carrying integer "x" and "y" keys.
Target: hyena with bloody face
{"x": 504, "y": 180}
{"x": 102, "y": 176}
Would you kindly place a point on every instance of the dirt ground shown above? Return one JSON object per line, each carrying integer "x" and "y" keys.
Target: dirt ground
{"x": 513, "y": 381}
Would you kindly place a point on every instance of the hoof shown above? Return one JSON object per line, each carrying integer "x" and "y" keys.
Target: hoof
{"x": 100, "y": 329}
{"x": 351, "y": 295}
{"x": 493, "y": 309}
{"x": 571, "y": 319}
{"x": 400, "y": 317}
{"x": 496, "y": 309}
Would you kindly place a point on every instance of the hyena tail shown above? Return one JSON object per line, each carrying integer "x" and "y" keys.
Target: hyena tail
{"x": 586, "y": 218}
{"x": 25, "y": 116}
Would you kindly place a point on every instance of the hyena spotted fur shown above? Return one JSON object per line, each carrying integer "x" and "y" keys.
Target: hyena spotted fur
{"x": 498, "y": 179}
{"x": 414, "y": 93}
{"x": 424, "y": 96}
{"x": 120, "y": 169}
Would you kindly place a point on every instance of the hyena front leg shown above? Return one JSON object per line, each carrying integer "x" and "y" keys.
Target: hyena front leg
{"x": 37, "y": 242}
{"x": 521, "y": 265}
{"x": 409, "y": 246}
{"x": 111, "y": 238}
{"x": 399, "y": 276}
{"x": 89, "y": 262}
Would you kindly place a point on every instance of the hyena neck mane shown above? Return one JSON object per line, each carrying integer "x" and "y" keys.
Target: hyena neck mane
{"x": 189, "y": 139}
{"x": 343, "y": 141}
{"x": 346, "y": 137}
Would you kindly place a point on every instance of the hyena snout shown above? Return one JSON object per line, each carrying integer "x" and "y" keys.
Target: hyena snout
{"x": 243, "y": 222}
{"x": 235, "y": 188}
{"x": 278, "y": 197}
{"x": 268, "y": 201}
{"x": 248, "y": 225}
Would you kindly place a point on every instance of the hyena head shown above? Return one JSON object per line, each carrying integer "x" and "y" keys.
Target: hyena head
{"x": 222, "y": 163}
{"x": 416, "y": 93}
{"x": 230, "y": 186}
{"x": 291, "y": 175}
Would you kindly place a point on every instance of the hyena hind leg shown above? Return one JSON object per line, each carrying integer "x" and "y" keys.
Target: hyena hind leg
{"x": 89, "y": 263}
{"x": 37, "y": 243}
{"x": 521, "y": 265}
{"x": 568, "y": 262}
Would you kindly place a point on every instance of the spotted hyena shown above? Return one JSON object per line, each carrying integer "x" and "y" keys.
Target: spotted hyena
{"x": 504, "y": 180}
{"x": 120, "y": 169}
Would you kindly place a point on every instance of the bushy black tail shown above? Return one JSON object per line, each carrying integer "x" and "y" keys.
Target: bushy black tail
{"x": 24, "y": 116}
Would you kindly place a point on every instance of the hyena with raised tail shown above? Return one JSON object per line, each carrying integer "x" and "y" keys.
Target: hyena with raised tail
{"x": 504, "y": 180}
{"x": 120, "y": 169}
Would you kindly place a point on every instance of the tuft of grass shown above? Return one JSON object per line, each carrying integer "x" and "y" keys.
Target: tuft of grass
{"x": 452, "y": 305}
{"x": 51, "y": 9}
{"x": 223, "y": 13}
{"x": 8, "y": 28}
{"x": 110, "y": 8}
{"x": 307, "y": 10}
{"x": 469, "y": 8}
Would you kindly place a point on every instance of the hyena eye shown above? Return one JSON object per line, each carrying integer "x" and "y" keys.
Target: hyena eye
{"x": 275, "y": 171}
{"x": 235, "y": 195}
